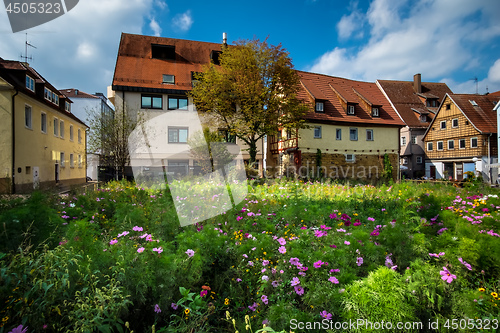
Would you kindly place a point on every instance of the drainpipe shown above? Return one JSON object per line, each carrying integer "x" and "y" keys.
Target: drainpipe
{"x": 13, "y": 188}
{"x": 489, "y": 160}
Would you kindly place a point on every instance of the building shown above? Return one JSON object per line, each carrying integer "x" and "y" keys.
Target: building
{"x": 462, "y": 137}
{"x": 151, "y": 80}
{"x": 41, "y": 142}
{"x": 416, "y": 102}
{"x": 352, "y": 127}
{"x": 85, "y": 105}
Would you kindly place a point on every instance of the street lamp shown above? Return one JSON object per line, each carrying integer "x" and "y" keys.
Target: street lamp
{"x": 475, "y": 159}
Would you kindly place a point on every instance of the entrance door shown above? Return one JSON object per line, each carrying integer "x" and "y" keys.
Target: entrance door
{"x": 460, "y": 171}
{"x": 57, "y": 173}
{"x": 433, "y": 172}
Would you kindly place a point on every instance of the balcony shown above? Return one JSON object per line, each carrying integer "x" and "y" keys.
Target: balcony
{"x": 282, "y": 145}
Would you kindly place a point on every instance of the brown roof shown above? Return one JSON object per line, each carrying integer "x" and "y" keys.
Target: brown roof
{"x": 135, "y": 66}
{"x": 404, "y": 98}
{"x": 333, "y": 90}
{"x": 76, "y": 93}
{"x": 479, "y": 110}
{"x": 496, "y": 93}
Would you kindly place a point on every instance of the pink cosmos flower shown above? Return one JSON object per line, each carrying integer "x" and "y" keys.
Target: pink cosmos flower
{"x": 136, "y": 228}
{"x": 371, "y": 219}
{"x": 253, "y": 307}
{"x": 326, "y": 315}
{"x": 157, "y": 308}
{"x": 174, "y": 306}
{"x": 114, "y": 241}
{"x": 333, "y": 279}
{"x": 356, "y": 224}
{"x": 282, "y": 249}
{"x": 294, "y": 261}
{"x": 299, "y": 290}
{"x": 203, "y": 293}
{"x": 190, "y": 253}
{"x": 469, "y": 267}
{"x": 446, "y": 275}
{"x": 282, "y": 241}
{"x": 264, "y": 299}
{"x": 158, "y": 249}
{"x": 265, "y": 262}
{"x": 140, "y": 250}
{"x": 359, "y": 261}
{"x": 238, "y": 218}
{"x": 347, "y": 243}
{"x": 295, "y": 281}
{"x": 318, "y": 264}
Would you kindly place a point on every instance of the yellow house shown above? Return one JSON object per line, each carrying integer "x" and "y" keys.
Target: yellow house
{"x": 41, "y": 142}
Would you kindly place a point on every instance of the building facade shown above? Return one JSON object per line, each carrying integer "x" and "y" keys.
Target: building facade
{"x": 417, "y": 103}
{"x": 462, "y": 138}
{"x": 42, "y": 143}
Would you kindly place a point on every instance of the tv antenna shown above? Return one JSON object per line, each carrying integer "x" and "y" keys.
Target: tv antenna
{"x": 26, "y": 44}
{"x": 475, "y": 80}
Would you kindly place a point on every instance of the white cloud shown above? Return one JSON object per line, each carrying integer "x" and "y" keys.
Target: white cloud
{"x": 351, "y": 23}
{"x": 183, "y": 22}
{"x": 161, "y": 4}
{"x": 494, "y": 72}
{"x": 155, "y": 27}
{"x": 86, "y": 51}
{"x": 432, "y": 37}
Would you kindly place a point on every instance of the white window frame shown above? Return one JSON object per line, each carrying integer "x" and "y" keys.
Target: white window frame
{"x": 403, "y": 141}
{"x": 71, "y": 160}
{"x": 414, "y": 139}
{"x": 429, "y": 145}
{"x": 405, "y": 160}
{"x": 62, "y": 158}
{"x": 369, "y": 135}
{"x": 442, "y": 124}
{"x": 442, "y": 145}
{"x": 338, "y": 134}
{"x": 453, "y": 123}
{"x": 320, "y": 107}
{"x": 71, "y": 134}
{"x": 375, "y": 112}
{"x": 477, "y": 142}
{"x": 356, "y": 133}
{"x": 317, "y": 132}
{"x": 452, "y": 143}
{"x": 419, "y": 160}
{"x": 350, "y": 109}
{"x": 178, "y": 136}
{"x": 28, "y": 116}
{"x": 30, "y": 83}
{"x": 55, "y": 123}
{"x": 350, "y": 158}
{"x": 460, "y": 144}
{"x": 80, "y": 163}
{"x": 61, "y": 129}
{"x": 166, "y": 79}
{"x": 67, "y": 106}
{"x": 42, "y": 122}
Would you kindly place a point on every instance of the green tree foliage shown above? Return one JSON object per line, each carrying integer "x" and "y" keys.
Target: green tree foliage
{"x": 208, "y": 148}
{"x": 252, "y": 93}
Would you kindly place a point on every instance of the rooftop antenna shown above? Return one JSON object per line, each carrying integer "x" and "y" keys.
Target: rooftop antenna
{"x": 26, "y": 44}
{"x": 475, "y": 80}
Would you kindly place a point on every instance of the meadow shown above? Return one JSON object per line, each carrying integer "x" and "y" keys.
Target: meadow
{"x": 293, "y": 256}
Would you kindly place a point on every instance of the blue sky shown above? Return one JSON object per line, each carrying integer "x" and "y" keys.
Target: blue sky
{"x": 452, "y": 41}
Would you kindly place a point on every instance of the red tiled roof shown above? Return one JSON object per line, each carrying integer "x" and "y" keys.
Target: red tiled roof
{"x": 481, "y": 116}
{"x": 76, "y": 93}
{"x": 496, "y": 93}
{"x": 328, "y": 88}
{"x": 404, "y": 98}
{"x": 135, "y": 66}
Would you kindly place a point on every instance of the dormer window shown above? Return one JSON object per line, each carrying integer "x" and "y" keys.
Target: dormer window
{"x": 215, "y": 57}
{"x": 320, "y": 107}
{"x": 164, "y": 52}
{"x": 350, "y": 109}
{"x": 375, "y": 112}
{"x": 431, "y": 103}
{"x": 168, "y": 79}
{"x": 423, "y": 118}
{"x": 67, "y": 106}
{"x": 51, "y": 96}
{"x": 30, "y": 83}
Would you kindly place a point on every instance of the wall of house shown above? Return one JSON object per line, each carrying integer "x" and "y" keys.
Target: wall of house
{"x": 5, "y": 137}
{"x": 38, "y": 150}
{"x": 411, "y": 151}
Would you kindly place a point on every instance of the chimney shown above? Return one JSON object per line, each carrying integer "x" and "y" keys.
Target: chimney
{"x": 417, "y": 83}
{"x": 224, "y": 38}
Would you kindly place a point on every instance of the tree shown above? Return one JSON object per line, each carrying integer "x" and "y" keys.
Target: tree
{"x": 108, "y": 137}
{"x": 252, "y": 93}
{"x": 209, "y": 150}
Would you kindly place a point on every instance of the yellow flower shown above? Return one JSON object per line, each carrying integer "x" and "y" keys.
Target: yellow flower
{"x": 494, "y": 294}
{"x": 481, "y": 289}
{"x": 226, "y": 301}
{"x": 186, "y": 311}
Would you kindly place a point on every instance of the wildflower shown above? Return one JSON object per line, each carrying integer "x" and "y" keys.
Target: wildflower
{"x": 114, "y": 241}
{"x": 238, "y": 280}
{"x": 326, "y": 315}
{"x": 371, "y": 219}
{"x": 481, "y": 289}
{"x": 265, "y": 322}
{"x": 440, "y": 231}
{"x": 375, "y": 232}
{"x": 494, "y": 294}
{"x": 174, "y": 306}
{"x": 469, "y": 267}
{"x": 357, "y": 223}
{"x": 446, "y": 275}
{"x": 136, "y": 228}
{"x": 275, "y": 284}
{"x": 333, "y": 280}
{"x": 158, "y": 249}
{"x": 226, "y": 301}
{"x": 333, "y": 246}
{"x": 347, "y": 243}
{"x": 203, "y": 293}
{"x": 265, "y": 278}
{"x": 186, "y": 311}
{"x": 140, "y": 250}
{"x": 264, "y": 299}
{"x": 250, "y": 263}
{"x": 125, "y": 233}
{"x": 282, "y": 249}
{"x": 359, "y": 261}
{"x": 253, "y": 307}
{"x": 190, "y": 253}
{"x": 157, "y": 308}
{"x": 295, "y": 281}
{"x": 282, "y": 241}
{"x": 336, "y": 270}
{"x": 294, "y": 261}
{"x": 238, "y": 218}
{"x": 318, "y": 264}
{"x": 299, "y": 290}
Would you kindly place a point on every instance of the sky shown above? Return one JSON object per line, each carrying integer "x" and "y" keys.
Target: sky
{"x": 451, "y": 41}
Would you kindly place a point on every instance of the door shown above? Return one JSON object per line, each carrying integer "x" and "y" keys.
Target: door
{"x": 433, "y": 172}
{"x": 460, "y": 171}
{"x": 57, "y": 173}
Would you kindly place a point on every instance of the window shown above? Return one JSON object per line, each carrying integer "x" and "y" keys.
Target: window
{"x": 28, "y": 170}
{"x": 403, "y": 140}
{"x": 350, "y": 109}
{"x": 461, "y": 143}
{"x": 165, "y": 52}
{"x": 350, "y": 157}
{"x": 369, "y": 135}
{"x": 451, "y": 144}
{"x": 440, "y": 145}
{"x": 454, "y": 123}
{"x": 414, "y": 139}
{"x": 71, "y": 132}
{"x": 27, "y": 116}
{"x": 51, "y": 96}
{"x": 317, "y": 132}
{"x": 405, "y": 160}
{"x": 419, "y": 159}
{"x": 177, "y": 134}
{"x": 56, "y": 127}
{"x": 443, "y": 125}
{"x": 353, "y": 134}
{"x": 169, "y": 79}
{"x": 423, "y": 118}
{"x": 429, "y": 146}
{"x": 61, "y": 129}
{"x": 67, "y": 106}
{"x": 62, "y": 160}
{"x": 288, "y": 133}
{"x": 43, "y": 122}
{"x": 448, "y": 106}
{"x": 71, "y": 161}
{"x": 30, "y": 83}
{"x": 473, "y": 142}
{"x": 80, "y": 161}
{"x": 320, "y": 106}
{"x": 151, "y": 102}
{"x": 375, "y": 112}
{"x": 338, "y": 134}
{"x": 177, "y": 103}
{"x": 79, "y": 136}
